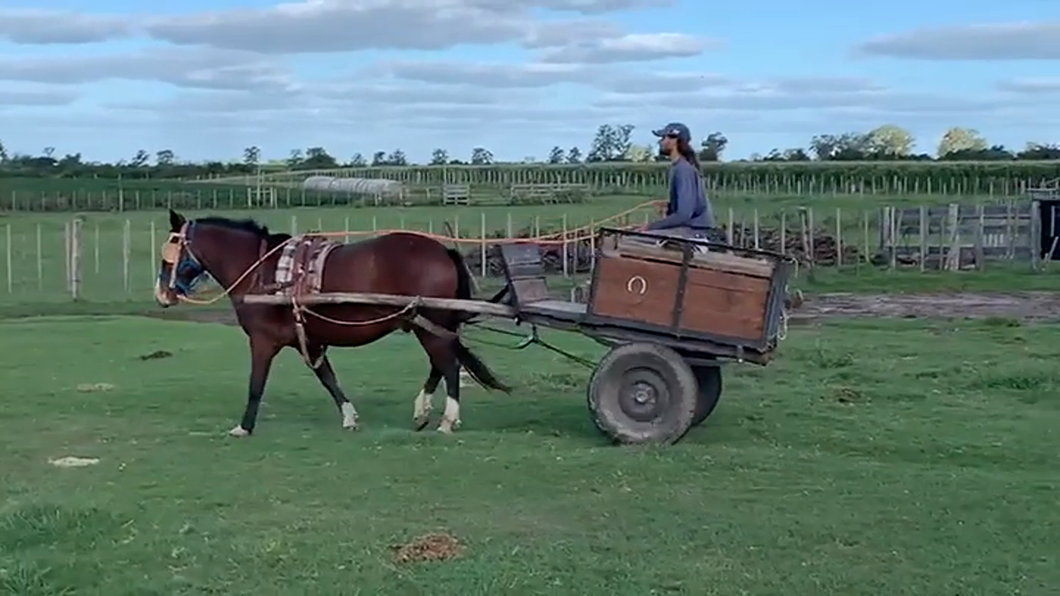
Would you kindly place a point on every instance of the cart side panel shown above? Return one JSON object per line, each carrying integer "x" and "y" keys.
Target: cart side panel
{"x": 724, "y": 303}
{"x": 525, "y": 273}
{"x": 635, "y": 290}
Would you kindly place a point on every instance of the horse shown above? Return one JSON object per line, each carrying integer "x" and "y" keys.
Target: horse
{"x": 242, "y": 254}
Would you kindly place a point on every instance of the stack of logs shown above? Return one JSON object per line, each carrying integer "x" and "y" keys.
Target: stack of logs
{"x": 579, "y": 253}
{"x": 823, "y": 243}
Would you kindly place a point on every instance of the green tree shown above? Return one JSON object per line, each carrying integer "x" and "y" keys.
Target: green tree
{"x": 481, "y": 156}
{"x": 711, "y": 148}
{"x": 890, "y": 140}
{"x": 165, "y": 157}
{"x": 959, "y": 139}
{"x": 252, "y": 156}
{"x": 439, "y": 157}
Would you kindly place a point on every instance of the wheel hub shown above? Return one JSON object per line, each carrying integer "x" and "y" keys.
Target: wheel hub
{"x": 643, "y": 395}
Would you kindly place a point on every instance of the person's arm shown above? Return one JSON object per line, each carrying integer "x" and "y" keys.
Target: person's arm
{"x": 685, "y": 190}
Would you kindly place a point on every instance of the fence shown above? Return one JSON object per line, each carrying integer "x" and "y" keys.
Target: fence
{"x": 114, "y": 260}
{"x": 252, "y": 193}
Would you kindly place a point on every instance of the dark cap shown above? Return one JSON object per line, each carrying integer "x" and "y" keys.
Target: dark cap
{"x": 674, "y": 129}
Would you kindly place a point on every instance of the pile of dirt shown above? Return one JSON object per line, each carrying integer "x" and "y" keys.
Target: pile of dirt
{"x": 437, "y": 546}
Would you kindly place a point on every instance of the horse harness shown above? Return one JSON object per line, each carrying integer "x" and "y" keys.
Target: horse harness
{"x": 299, "y": 273}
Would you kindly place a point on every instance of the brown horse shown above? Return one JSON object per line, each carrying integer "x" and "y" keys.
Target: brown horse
{"x": 242, "y": 256}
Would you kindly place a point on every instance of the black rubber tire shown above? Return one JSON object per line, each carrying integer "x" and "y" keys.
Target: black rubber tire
{"x": 648, "y": 362}
{"x": 708, "y": 379}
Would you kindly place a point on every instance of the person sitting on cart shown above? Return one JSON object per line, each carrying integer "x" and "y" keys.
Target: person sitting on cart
{"x": 689, "y": 213}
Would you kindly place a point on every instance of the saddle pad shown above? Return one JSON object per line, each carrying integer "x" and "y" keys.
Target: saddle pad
{"x": 303, "y": 257}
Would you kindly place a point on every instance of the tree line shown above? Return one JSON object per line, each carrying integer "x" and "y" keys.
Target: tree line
{"x": 610, "y": 144}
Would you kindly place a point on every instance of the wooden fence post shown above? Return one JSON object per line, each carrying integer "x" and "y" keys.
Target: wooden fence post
{"x": 9, "y": 261}
{"x": 76, "y": 246}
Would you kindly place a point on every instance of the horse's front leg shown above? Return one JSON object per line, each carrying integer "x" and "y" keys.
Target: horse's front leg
{"x": 326, "y": 376}
{"x": 262, "y": 351}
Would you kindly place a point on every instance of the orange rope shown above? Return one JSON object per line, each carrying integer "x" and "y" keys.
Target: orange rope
{"x": 238, "y": 280}
{"x": 415, "y": 302}
{"x": 579, "y": 235}
{"x": 573, "y": 235}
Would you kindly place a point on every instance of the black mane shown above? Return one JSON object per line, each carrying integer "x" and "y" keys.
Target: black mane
{"x": 246, "y": 225}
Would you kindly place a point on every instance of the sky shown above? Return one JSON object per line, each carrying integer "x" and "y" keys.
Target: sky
{"x": 206, "y": 79}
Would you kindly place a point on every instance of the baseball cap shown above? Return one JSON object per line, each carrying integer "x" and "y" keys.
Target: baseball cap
{"x": 674, "y": 129}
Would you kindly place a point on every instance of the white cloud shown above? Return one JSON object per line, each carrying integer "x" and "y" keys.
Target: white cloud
{"x": 804, "y": 94}
{"x": 12, "y": 97}
{"x": 633, "y": 47}
{"x": 183, "y": 67}
{"x": 1023, "y": 40}
{"x": 33, "y": 26}
{"x": 1031, "y": 86}
{"x": 343, "y": 25}
{"x": 498, "y": 75}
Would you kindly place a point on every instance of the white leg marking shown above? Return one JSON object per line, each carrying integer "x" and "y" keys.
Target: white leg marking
{"x": 349, "y": 416}
{"x": 422, "y": 407}
{"x": 451, "y": 417}
{"x": 238, "y": 431}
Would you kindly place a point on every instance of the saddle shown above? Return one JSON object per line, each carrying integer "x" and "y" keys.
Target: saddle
{"x": 300, "y": 269}
{"x": 300, "y": 272}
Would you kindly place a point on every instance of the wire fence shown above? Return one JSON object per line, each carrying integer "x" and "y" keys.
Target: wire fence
{"x": 115, "y": 260}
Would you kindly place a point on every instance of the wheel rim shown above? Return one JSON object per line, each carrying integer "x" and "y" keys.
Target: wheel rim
{"x": 643, "y": 395}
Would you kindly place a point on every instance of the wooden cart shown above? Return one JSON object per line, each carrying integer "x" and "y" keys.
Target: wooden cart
{"x": 671, "y": 310}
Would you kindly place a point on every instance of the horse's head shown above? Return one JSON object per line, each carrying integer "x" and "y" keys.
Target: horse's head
{"x": 180, "y": 269}
{"x": 226, "y": 249}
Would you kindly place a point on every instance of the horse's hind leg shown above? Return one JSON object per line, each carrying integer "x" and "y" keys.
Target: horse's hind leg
{"x": 326, "y": 375}
{"x": 443, "y": 365}
{"x": 421, "y": 411}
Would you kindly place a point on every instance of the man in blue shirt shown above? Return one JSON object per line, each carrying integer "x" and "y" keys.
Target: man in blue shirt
{"x": 688, "y": 213}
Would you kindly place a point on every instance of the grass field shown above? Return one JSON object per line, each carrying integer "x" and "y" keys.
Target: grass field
{"x": 37, "y": 273}
{"x": 871, "y": 458}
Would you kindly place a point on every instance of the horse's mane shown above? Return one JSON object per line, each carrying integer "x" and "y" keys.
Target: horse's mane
{"x": 246, "y": 225}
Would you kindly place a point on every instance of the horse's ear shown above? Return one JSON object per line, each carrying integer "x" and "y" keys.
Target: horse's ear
{"x": 176, "y": 220}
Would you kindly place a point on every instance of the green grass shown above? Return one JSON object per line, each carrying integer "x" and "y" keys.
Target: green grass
{"x": 871, "y": 458}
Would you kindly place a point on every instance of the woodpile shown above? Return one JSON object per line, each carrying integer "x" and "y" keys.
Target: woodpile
{"x": 579, "y": 253}
{"x": 823, "y": 243}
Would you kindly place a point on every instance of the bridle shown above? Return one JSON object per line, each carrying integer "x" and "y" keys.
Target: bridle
{"x": 176, "y": 252}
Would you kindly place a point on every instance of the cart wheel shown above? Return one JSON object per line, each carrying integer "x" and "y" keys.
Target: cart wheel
{"x": 643, "y": 393}
{"x": 709, "y": 379}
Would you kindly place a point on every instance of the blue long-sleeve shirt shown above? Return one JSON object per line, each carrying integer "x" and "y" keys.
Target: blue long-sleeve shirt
{"x": 689, "y": 206}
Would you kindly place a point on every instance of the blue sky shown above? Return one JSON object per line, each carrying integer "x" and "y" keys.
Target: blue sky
{"x": 108, "y": 78}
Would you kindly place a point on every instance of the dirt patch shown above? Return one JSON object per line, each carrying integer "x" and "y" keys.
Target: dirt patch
{"x": 1025, "y": 306}
{"x": 438, "y": 546}
{"x": 156, "y": 355}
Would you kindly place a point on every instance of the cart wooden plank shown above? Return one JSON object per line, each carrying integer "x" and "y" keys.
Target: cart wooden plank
{"x": 475, "y": 306}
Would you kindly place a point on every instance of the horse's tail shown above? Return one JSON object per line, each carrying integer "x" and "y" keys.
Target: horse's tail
{"x": 478, "y": 369}
{"x": 466, "y": 284}
{"x": 471, "y": 363}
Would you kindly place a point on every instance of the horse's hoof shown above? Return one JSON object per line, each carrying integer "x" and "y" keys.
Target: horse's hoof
{"x": 239, "y": 431}
{"x": 447, "y": 427}
{"x": 421, "y": 422}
